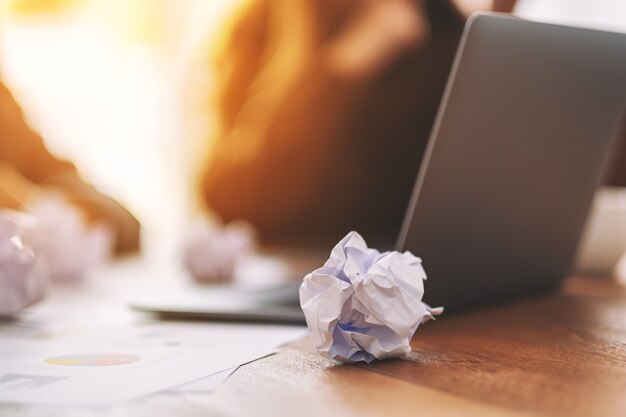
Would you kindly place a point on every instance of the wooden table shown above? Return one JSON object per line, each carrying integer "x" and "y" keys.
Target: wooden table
{"x": 561, "y": 354}
{"x": 556, "y": 355}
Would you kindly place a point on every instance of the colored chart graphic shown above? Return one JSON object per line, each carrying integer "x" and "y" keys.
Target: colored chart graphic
{"x": 93, "y": 359}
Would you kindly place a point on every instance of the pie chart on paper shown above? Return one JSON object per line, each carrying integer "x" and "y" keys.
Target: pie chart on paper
{"x": 93, "y": 359}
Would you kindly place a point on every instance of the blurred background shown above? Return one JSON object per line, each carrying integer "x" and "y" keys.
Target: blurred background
{"x": 120, "y": 87}
{"x": 107, "y": 83}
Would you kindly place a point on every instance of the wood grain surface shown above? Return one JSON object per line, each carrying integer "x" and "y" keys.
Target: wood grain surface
{"x": 561, "y": 354}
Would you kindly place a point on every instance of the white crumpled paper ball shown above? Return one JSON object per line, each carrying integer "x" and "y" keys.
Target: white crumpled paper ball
{"x": 23, "y": 271}
{"x": 72, "y": 246}
{"x": 211, "y": 250}
{"x": 364, "y": 305}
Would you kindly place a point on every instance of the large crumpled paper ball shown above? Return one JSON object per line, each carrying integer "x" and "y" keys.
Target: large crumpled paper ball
{"x": 72, "y": 246}
{"x": 364, "y": 305}
{"x": 212, "y": 250}
{"x": 23, "y": 271}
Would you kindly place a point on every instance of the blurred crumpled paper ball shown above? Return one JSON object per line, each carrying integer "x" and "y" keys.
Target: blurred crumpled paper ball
{"x": 72, "y": 246}
{"x": 364, "y": 305}
{"x": 212, "y": 250}
{"x": 23, "y": 270}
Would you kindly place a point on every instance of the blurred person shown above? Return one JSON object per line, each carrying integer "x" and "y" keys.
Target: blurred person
{"x": 28, "y": 169}
{"x": 325, "y": 109}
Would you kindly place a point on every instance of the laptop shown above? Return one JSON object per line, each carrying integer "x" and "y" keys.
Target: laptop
{"x": 528, "y": 119}
{"x": 526, "y": 124}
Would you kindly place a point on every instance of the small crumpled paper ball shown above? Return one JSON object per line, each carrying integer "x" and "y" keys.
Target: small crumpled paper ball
{"x": 72, "y": 246}
{"x": 211, "y": 250}
{"x": 23, "y": 271}
{"x": 364, "y": 305}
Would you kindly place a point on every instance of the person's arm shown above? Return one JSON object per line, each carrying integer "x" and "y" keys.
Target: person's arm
{"x": 15, "y": 190}
{"x": 276, "y": 167}
{"x": 270, "y": 175}
{"x": 28, "y": 165}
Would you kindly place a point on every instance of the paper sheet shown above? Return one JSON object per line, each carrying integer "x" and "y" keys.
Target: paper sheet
{"x": 96, "y": 367}
{"x": 206, "y": 384}
{"x": 98, "y": 375}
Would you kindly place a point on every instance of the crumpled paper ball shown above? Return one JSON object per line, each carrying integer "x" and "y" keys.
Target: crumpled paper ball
{"x": 72, "y": 246}
{"x": 23, "y": 271}
{"x": 211, "y": 250}
{"x": 364, "y": 305}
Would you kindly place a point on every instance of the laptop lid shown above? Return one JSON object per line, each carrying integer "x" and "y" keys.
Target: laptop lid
{"x": 526, "y": 124}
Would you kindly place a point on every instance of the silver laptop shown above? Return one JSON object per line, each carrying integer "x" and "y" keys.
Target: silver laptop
{"x": 530, "y": 114}
{"x": 527, "y": 121}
